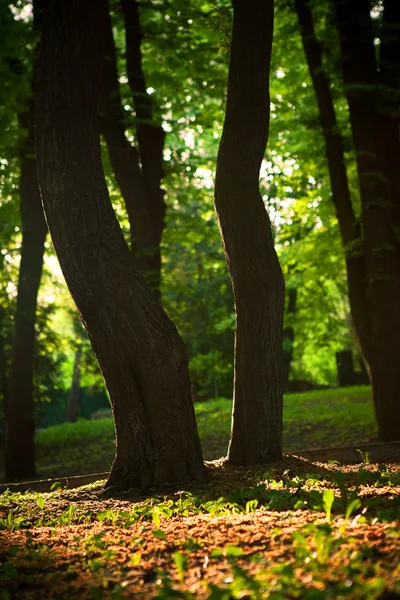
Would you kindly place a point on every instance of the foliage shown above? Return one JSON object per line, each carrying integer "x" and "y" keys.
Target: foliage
{"x": 187, "y": 81}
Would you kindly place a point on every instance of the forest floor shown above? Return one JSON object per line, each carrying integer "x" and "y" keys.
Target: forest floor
{"x": 295, "y": 529}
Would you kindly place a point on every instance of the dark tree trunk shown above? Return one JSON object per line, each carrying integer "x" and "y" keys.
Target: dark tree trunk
{"x": 3, "y": 359}
{"x": 360, "y": 77}
{"x": 129, "y": 173}
{"x": 75, "y": 389}
{"x": 19, "y": 444}
{"x": 19, "y": 448}
{"x": 151, "y": 137}
{"x": 141, "y": 355}
{"x": 256, "y": 275}
{"x": 389, "y": 107}
{"x": 288, "y": 340}
{"x": 349, "y": 225}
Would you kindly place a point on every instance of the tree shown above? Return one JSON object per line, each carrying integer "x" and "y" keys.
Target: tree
{"x": 142, "y": 357}
{"x": 371, "y": 241}
{"x": 256, "y": 275}
{"x": 19, "y": 448}
{"x": 138, "y": 171}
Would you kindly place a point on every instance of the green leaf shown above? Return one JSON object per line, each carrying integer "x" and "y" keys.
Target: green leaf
{"x": 328, "y": 498}
{"x": 135, "y": 559}
{"x": 180, "y": 561}
{"x": 158, "y": 533}
{"x": 351, "y": 507}
{"x": 216, "y": 553}
{"x": 251, "y": 506}
{"x": 231, "y": 551}
{"x": 40, "y": 502}
{"x": 156, "y": 516}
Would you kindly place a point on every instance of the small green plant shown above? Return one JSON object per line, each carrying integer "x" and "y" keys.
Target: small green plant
{"x": 159, "y": 534}
{"x": 40, "y": 502}
{"x": 365, "y": 456}
{"x": 181, "y": 562}
{"x": 328, "y": 498}
{"x": 11, "y": 523}
{"x": 108, "y": 515}
{"x": 68, "y": 516}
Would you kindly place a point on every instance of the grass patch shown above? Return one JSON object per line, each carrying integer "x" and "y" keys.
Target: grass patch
{"x": 311, "y": 420}
{"x": 320, "y": 418}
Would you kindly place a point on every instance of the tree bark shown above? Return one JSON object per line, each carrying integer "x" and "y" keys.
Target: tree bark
{"x": 19, "y": 445}
{"x": 288, "y": 340}
{"x": 360, "y": 76}
{"x": 75, "y": 389}
{"x": 349, "y": 225}
{"x": 19, "y": 449}
{"x": 151, "y": 137}
{"x": 389, "y": 107}
{"x": 129, "y": 173}
{"x": 256, "y": 275}
{"x": 141, "y": 355}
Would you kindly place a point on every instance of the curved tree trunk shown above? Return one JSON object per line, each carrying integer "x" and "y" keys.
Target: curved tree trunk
{"x": 141, "y": 355}
{"x": 256, "y": 275}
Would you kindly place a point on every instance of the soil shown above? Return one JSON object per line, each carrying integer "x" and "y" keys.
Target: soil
{"x": 107, "y": 560}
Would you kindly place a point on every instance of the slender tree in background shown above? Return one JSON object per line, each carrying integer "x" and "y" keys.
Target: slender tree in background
{"x": 19, "y": 447}
{"x": 138, "y": 171}
{"x": 372, "y": 247}
{"x": 256, "y": 275}
{"x": 141, "y": 355}
{"x": 349, "y": 224}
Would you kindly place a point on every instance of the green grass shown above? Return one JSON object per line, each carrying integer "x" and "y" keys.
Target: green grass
{"x": 311, "y": 419}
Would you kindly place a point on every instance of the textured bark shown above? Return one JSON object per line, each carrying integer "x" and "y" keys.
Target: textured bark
{"x": 349, "y": 225}
{"x": 288, "y": 340}
{"x": 3, "y": 361}
{"x": 19, "y": 445}
{"x": 129, "y": 173}
{"x": 73, "y": 397}
{"x": 150, "y": 136}
{"x": 360, "y": 75}
{"x": 141, "y": 355}
{"x": 256, "y": 275}
{"x": 389, "y": 106}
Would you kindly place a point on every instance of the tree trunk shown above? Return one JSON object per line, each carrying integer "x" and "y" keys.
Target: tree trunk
{"x": 151, "y": 137}
{"x": 141, "y": 355}
{"x": 389, "y": 108}
{"x": 360, "y": 75}
{"x": 349, "y": 225}
{"x": 19, "y": 448}
{"x": 256, "y": 275}
{"x": 19, "y": 441}
{"x": 75, "y": 389}
{"x": 288, "y": 340}
{"x": 3, "y": 360}
{"x": 145, "y": 234}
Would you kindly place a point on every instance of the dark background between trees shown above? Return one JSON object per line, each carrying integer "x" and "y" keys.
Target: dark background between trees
{"x": 153, "y": 81}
